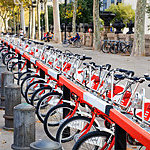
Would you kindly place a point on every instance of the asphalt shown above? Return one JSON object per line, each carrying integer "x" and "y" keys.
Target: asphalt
{"x": 140, "y": 65}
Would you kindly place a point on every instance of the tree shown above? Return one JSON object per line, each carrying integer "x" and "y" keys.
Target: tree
{"x": 96, "y": 22}
{"x": 6, "y": 7}
{"x": 139, "y": 31}
{"x": 123, "y": 12}
{"x": 57, "y": 31}
{"x": 74, "y": 16}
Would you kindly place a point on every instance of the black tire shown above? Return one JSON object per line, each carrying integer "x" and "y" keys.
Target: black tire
{"x": 26, "y": 79}
{"x": 44, "y": 105}
{"x": 7, "y": 56}
{"x": 114, "y": 48}
{"x": 105, "y": 47}
{"x": 79, "y": 145}
{"x": 23, "y": 75}
{"x": 15, "y": 67}
{"x": 29, "y": 91}
{"x": 77, "y": 43}
{"x": 10, "y": 62}
{"x": 50, "y": 127}
{"x": 71, "y": 128}
{"x": 35, "y": 98}
{"x": 65, "y": 43}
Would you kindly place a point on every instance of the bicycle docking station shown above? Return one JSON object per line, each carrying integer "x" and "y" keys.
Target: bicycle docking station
{"x": 123, "y": 124}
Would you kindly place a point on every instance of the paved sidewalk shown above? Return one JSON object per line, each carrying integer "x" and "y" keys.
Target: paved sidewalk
{"x": 140, "y": 65}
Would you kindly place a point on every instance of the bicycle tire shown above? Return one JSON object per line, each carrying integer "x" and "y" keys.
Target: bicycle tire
{"x": 65, "y": 43}
{"x": 44, "y": 105}
{"x": 70, "y": 129}
{"x": 54, "y": 125}
{"x": 27, "y": 73}
{"x": 24, "y": 81}
{"x": 80, "y": 143}
{"x": 105, "y": 48}
{"x": 114, "y": 49}
{"x": 5, "y": 56}
{"x": 28, "y": 100}
{"x": 18, "y": 72}
{"x": 9, "y": 61}
{"x": 77, "y": 43}
{"x": 36, "y": 92}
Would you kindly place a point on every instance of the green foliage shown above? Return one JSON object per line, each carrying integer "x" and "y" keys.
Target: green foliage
{"x": 84, "y": 12}
{"x": 123, "y": 12}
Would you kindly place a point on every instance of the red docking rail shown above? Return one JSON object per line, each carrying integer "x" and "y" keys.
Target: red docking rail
{"x": 124, "y": 121}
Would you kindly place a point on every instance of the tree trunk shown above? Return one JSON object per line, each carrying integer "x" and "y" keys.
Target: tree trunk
{"x": 30, "y": 21}
{"x": 46, "y": 17}
{"x": 139, "y": 31}
{"x": 57, "y": 31}
{"x": 74, "y": 17}
{"x": 22, "y": 17}
{"x": 33, "y": 23}
{"x": 38, "y": 20}
{"x": 14, "y": 21}
{"x": 96, "y": 34}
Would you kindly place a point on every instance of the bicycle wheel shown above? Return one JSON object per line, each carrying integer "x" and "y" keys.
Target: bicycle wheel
{"x": 38, "y": 94}
{"x": 27, "y": 80}
{"x": 95, "y": 140}
{"x": 15, "y": 69}
{"x": 46, "y": 102}
{"x": 10, "y": 62}
{"x": 23, "y": 75}
{"x": 54, "y": 118}
{"x": 70, "y": 130}
{"x": 31, "y": 88}
{"x": 65, "y": 43}
{"x": 77, "y": 43}
{"x": 7, "y": 56}
{"x": 114, "y": 48}
{"x": 105, "y": 47}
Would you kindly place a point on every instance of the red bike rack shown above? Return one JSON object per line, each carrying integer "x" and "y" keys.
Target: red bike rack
{"x": 124, "y": 122}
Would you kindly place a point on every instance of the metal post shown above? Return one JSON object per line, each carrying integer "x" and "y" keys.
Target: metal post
{"x": 12, "y": 99}
{"x": 24, "y": 126}
{"x": 66, "y": 96}
{"x": 45, "y": 145}
{"x": 28, "y": 65}
{"x": 120, "y": 138}
{"x": 42, "y": 75}
{"x": 19, "y": 58}
{"x": 7, "y": 78}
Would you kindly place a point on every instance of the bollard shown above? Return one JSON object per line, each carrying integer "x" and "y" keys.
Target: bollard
{"x": 45, "y": 145}
{"x": 12, "y": 98}
{"x": 2, "y": 69}
{"x": 24, "y": 126}
{"x": 7, "y": 78}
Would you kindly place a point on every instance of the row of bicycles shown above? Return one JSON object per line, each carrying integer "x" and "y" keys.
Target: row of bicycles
{"x": 67, "y": 117}
{"x": 114, "y": 47}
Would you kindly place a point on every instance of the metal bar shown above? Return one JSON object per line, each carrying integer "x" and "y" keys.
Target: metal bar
{"x": 120, "y": 138}
{"x": 66, "y": 96}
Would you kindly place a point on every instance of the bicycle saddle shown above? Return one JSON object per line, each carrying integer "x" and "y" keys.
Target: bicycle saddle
{"x": 119, "y": 77}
